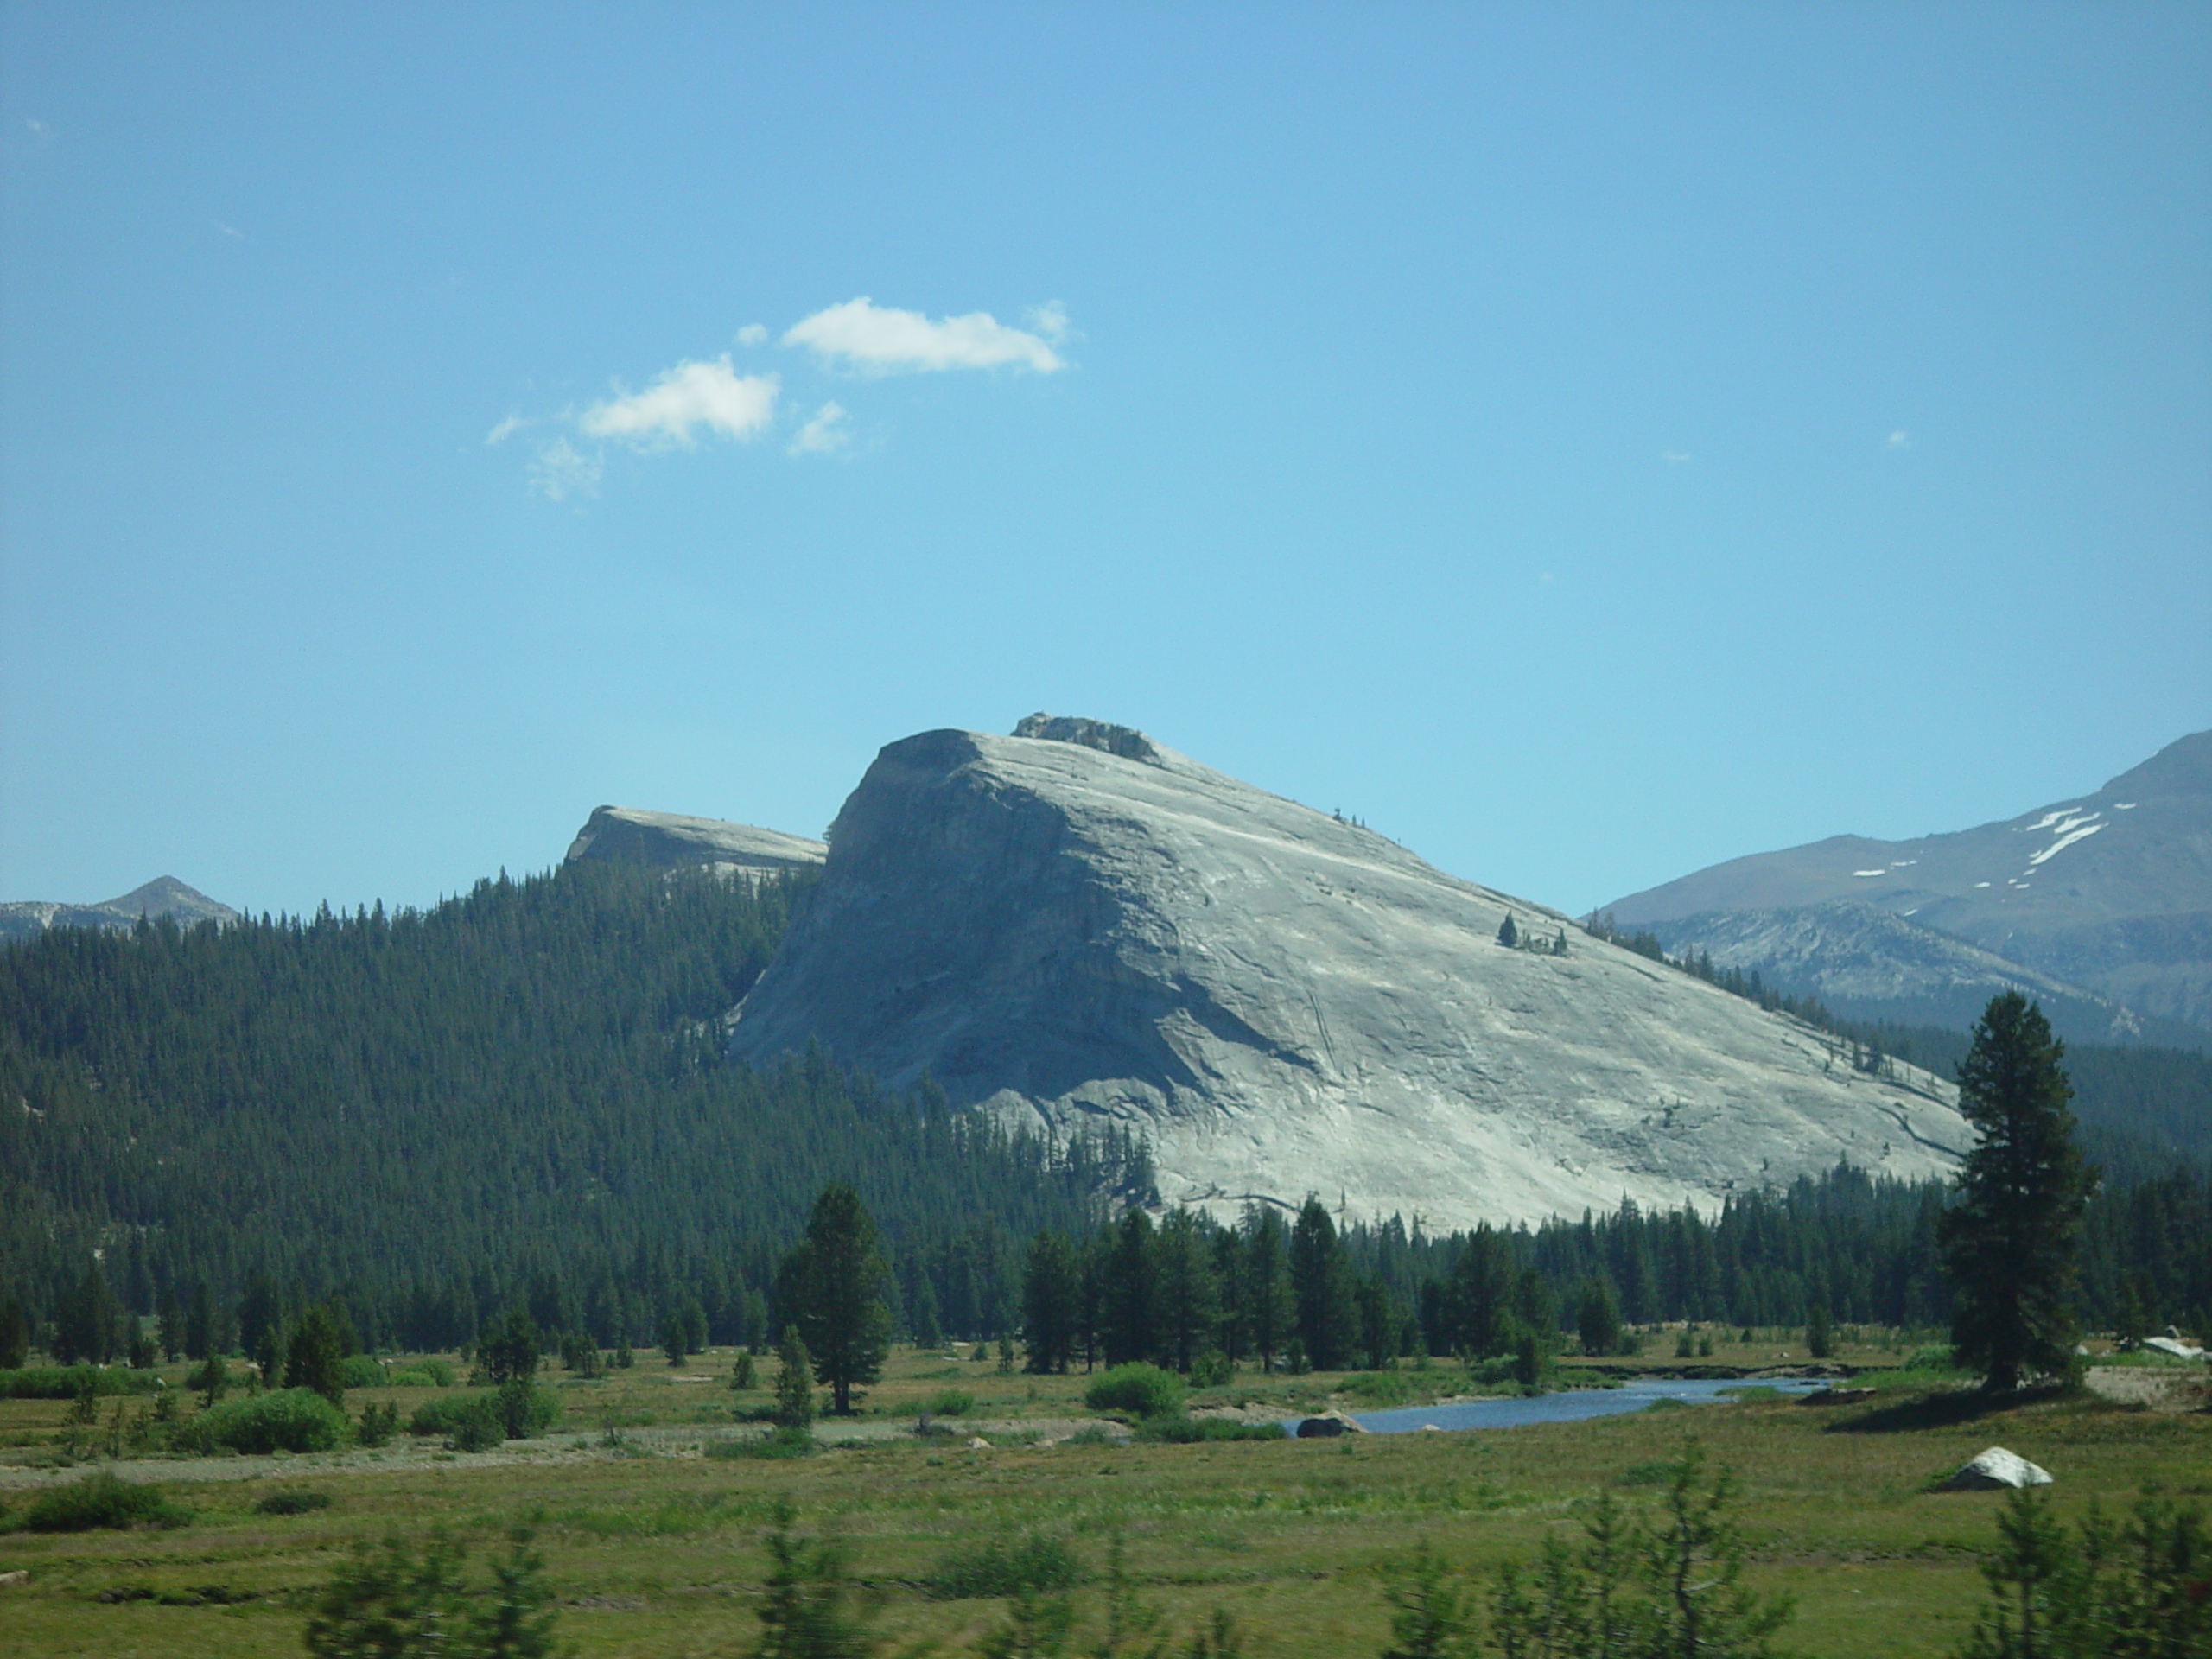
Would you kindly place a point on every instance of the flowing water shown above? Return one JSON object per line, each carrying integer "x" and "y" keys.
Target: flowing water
{"x": 1569, "y": 1405}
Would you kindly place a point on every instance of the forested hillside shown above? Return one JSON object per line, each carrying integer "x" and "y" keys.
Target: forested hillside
{"x": 431, "y": 1114}
{"x": 519, "y": 1098}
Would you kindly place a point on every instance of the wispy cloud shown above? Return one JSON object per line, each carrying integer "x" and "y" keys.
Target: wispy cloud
{"x": 41, "y": 133}
{"x": 881, "y": 340}
{"x": 562, "y": 470}
{"x": 231, "y": 231}
{"x": 1900, "y": 440}
{"x": 824, "y": 434}
{"x": 1672, "y": 457}
{"x": 507, "y": 429}
{"x": 689, "y": 395}
{"x": 751, "y": 334}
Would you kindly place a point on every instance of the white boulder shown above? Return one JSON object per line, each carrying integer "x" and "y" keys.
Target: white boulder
{"x": 1997, "y": 1468}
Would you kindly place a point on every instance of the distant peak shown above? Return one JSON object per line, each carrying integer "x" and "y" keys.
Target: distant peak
{"x": 1124, "y": 741}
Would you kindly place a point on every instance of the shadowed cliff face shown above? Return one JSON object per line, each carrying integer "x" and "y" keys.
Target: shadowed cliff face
{"x": 1286, "y": 1002}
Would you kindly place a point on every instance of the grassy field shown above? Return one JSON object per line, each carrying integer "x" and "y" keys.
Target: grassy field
{"x": 654, "y": 1547}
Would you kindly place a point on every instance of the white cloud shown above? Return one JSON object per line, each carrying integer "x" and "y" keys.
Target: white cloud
{"x": 1900, "y": 440}
{"x": 688, "y": 394}
{"x": 562, "y": 470}
{"x": 1049, "y": 320}
{"x": 1672, "y": 457}
{"x": 41, "y": 133}
{"x": 507, "y": 429}
{"x": 825, "y": 434}
{"x": 751, "y": 334}
{"x": 886, "y": 341}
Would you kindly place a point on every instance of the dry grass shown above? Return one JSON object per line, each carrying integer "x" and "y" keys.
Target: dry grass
{"x": 655, "y": 1548}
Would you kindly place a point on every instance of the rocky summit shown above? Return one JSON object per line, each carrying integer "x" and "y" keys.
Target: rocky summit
{"x": 2111, "y": 892}
{"x": 668, "y": 840}
{"x": 164, "y": 896}
{"x": 1079, "y": 926}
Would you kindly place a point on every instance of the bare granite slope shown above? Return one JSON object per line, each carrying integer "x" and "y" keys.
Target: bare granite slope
{"x": 668, "y": 839}
{"x": 1084, "y": 925}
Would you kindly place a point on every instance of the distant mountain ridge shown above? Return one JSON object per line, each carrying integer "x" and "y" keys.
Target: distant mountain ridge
{"x": 2109, "y": 893}
{"x": 163, "y": 896}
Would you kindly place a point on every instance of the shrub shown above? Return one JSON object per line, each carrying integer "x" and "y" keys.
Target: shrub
{"x": 1139, "y": 1389}
{"x": 289, "y": 1419}
{"x": 1375, "y": 1388}
{"x": 1934, "y": 1357}
{"x": 103, "y": 1500}
{"x": 779, "y": 1443}
{"x": 1185, "y": 1431}
{"x": 360, "y": 1371}
{"x": 1212, "y": 1369}
{"x": 292, "y": 1503}
{"x": 378, "y": 1424}
{"x": 477, "y": 1422}
{"x": 67, "y": 1382}
{"x": 390, "y": 1600}
{"x": 1032, "y": 1563}
{"x": 949, "y": 1402}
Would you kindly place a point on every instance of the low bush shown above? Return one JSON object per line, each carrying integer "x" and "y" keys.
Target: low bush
{"x": 290, "y": 1419}
{"x": 1032, "y": 1563}
{"x": 422, "y": 1374}
{"x": 102, "y": 1500}
{"x": 1139, "y": 1389}
{"x": 1383, "y": 1387}
{"x": 949, "y": 1402}
{"x": 1934, "y": 1357}
{"x": 781, "y": 1443}
{"x": 67, "y": 1382}
{"x": 361, "y": 1371}
{"x": 479, "y": 1421}
{"x": 1185, "y": 1431}
{"x": 292, "y": 1503}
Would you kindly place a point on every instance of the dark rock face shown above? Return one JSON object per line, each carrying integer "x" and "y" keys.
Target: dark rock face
{"x": 1284, "y": 1002}
{"x": 2112, "y": 894}
{"x": 163, "y": 896}
{"x": 667, "y": 840}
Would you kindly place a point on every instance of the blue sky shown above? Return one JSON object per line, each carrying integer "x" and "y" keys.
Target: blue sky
{"x": 1587, "y": 442}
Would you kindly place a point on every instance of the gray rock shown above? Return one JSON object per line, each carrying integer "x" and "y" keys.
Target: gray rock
{"x": 1993, "y": 1468}
{"x": 667, "y": 840}
{"x": 1329, "y": 1426}
{"x": 1285, "y": 1004}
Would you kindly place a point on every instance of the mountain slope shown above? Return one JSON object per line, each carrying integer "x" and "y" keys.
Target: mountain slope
{"x": 1083, "y": 924}
{"x": 163, "y": 896}
{"x": 2112, "y": 892}
{"x": 670, "y": 841}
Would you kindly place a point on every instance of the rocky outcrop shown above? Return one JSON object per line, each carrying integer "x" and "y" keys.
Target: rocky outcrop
{"x": 1287, "y": 1003}
{"x": 667, "y": 840}
{"x": 2112, "y": 892}
{"x": 164, "y": 896}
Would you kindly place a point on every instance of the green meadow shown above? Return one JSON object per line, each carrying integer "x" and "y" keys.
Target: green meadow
{"x": 651, "y": 1529}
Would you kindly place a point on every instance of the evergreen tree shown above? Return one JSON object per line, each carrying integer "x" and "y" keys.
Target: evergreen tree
{"x": 1266, "y": 1293}
{"x": 199, "y": 1323}
{"x": 15, "y": 1335}
{"x": 1508, "y": 934}
{"x": 509, "y": 1354}
{"x": 2009, "y": 1235}
{"x": 1130, "y": 1313}
{"x": 834, "y": 1280}
{"x": 1320, "y": 1285}
{"x": 1189, "y": 1299}
{"x": 1049, "y": 1290}
{"x": 315, "y": 1356}
{"x": 794, "y": 1381}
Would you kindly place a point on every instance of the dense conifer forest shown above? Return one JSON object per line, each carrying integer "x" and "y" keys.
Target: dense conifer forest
{"x": 517, "y": 1098}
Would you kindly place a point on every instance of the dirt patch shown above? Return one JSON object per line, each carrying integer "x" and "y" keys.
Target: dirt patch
{"x": 2154, "y": 1387}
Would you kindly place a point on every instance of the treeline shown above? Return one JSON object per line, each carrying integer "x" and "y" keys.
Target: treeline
{"x": 426, "y": 1117}
{"x": 1190, "y": 1292}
